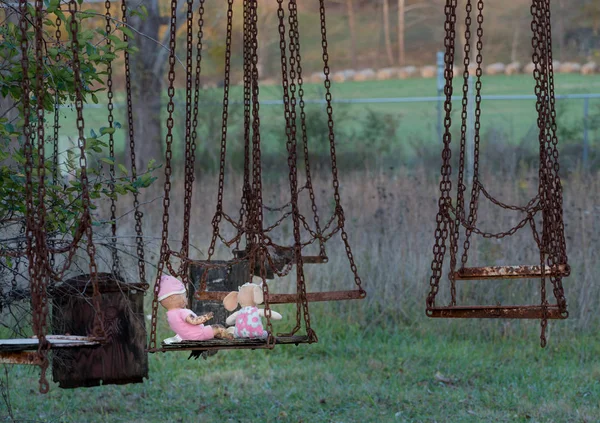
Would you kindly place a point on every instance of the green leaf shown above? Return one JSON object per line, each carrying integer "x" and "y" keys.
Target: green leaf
{"x": 107, "y": 131}
{"x": 108, "y": 160}
{"x": 92, "y": 133}
{"x": 94, "y": 99}
{"x": 122, "y": 168}
{"x": 127, "y": 31}
{"x": 52, "y": 6}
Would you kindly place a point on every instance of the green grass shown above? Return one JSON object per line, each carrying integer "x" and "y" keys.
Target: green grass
{"x": 354, "y": 374}
{"x": 416, "y": 122}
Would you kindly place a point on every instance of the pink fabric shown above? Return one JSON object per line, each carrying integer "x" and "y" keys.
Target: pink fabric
{"x": 248, "y": 324}
{"x": 185, "y": 330}
{"x": 169, "y": 286}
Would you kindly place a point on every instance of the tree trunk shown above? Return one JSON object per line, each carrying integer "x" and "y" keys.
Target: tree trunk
{"x": 401, "y": 58}
{"x": 352, "y": 26}
{"x": 386, "y": 32}
{"x": 147, "y": 86}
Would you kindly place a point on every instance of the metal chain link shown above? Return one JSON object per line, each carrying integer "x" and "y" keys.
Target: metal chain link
{"x": 139, "y": 239}
{"x": 289, "y": 101}
{"x": 476, "y": 188}
{"x": 111, "y": 144}
{"x": 164, "y": 249}
{"x": 295, "y": 41}
{"x": 190, "y": 132}
{"x": 441, "y": 232}
{"x": 216, "y": 221}
{"x": 334, "y": 171}
{"x": 461, "y": 187}
{"x": 98, "y": 330}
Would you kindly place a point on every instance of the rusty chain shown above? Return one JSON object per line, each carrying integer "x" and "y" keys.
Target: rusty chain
{"x": 216, "y": 220}
{"x": 191, "y": 124}
{"x": 461, "y": 187}
{"x": 139, "y": 239}
{"x": 476, "y": 187}
{"x": 111, "y": 144}
{"x": 295, "y": 41}
{"x": 441, "y": 232}
{"x": 334, "y": 171}
{"x": 164, "y": 249}
{"x": 98, "y": 329}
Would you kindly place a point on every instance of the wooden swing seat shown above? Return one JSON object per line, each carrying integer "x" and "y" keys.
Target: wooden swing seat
{"x": 496, "y": 312}
{"x": 233, "y": 344}
{"x": 508, "y": 272}
{"x": 289, "y": 298}
{"x": 21, "y": 351}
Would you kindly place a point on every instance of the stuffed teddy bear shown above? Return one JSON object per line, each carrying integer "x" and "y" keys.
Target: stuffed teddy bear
{"x": 247, "y": 319}
{"x": 183, "y": 321}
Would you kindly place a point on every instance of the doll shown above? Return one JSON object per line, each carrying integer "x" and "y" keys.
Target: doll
{"x": 183, "y": 321}
{"x": 247, "y": 319}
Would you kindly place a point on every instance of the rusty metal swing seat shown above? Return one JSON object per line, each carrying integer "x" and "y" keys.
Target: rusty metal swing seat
{"x": 80, "y": 297}
{"x": 452, "y": 216}
{"x": 252, "y": 244}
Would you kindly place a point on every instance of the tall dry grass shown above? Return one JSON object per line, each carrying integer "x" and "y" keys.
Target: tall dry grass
{"x": 390, "y": 217}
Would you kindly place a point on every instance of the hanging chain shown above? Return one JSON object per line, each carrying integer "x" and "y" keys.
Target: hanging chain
{"x": 539, "y": 60}
{"x": 246, "y": 190}
{"x": 441, "y": 232}
{"x": 461, "y": 187}
{"x": 139, "y": 239}
{"x": 190, "y": 134}
{"x": 216, "y": 221}
{"x": 336, "y": 185}
{"x": 98, "y": 330}
{"x": 476, "y": 188}
{"x": 295, "y": 40}
{"x": 111, "y": 144}
{"x": 164, "y": 249}
{"x": 289, "y": 102}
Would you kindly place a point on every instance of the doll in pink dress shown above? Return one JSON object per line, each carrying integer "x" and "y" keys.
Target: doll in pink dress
{"x": 183, "y": 321}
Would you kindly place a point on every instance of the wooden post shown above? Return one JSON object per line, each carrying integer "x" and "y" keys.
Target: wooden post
{"x": 123, "y": 358}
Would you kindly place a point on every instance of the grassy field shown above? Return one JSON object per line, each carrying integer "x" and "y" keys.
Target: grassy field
{"x": 379, "y": 360}
{"x": 506, "y": 121}
{"x": 354, "y": 374}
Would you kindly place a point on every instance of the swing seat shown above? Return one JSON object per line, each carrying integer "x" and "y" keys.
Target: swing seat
{"x": 497, "y": 312}
{"x": 290, "y": 298}
{"x": 233, "y": 344}
{"x": 55, "y": 341}
{"x": 509, "y": 272}
{"x": 20, "y": 351}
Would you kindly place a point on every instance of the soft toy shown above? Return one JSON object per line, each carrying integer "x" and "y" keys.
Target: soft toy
{"x": 247, "y": 319}
{"x": 183, "y": 321}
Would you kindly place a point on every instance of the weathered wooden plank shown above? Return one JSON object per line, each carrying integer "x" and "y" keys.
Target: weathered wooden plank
{"x": 224, "y": 344}
{"x": 496, "y": 312}
{"x": 122, "y": 358}
{"x": 508, "y": 272}
{"x": 56, "y": 341}
{"x": 291, "y": 298}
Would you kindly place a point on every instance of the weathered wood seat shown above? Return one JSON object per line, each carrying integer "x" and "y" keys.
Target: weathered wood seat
{"x": 232, "y": 344}
{"x": 56, "y": 341}
{"x": 497, "y": 312}
{"x": 508, "y": 272}
{"x": 22, "y": 351}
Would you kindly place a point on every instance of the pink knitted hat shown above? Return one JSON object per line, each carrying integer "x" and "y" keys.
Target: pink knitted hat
{"x": 170, "y": 286}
